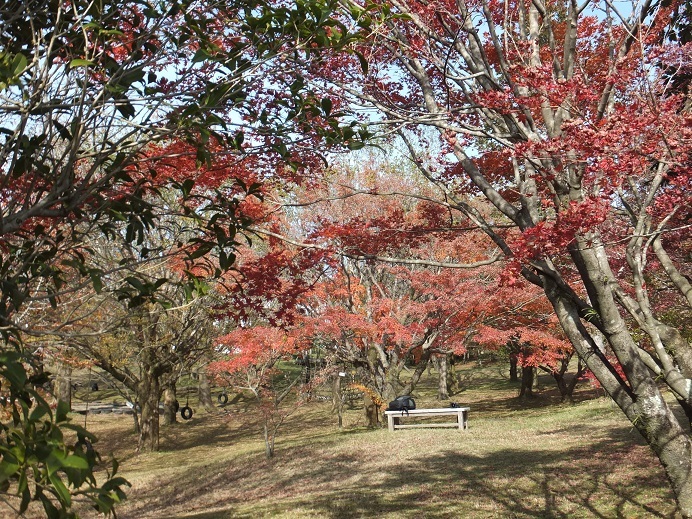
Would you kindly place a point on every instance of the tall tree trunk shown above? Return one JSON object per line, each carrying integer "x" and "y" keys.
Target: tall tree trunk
{"x": 136, "y": 426}
{"x": 204, "y": 391}
{"x": 384, "y": 382}
{"x": 149, "y": 394}
{"x": 62, "y": 386}
{"x": 170, "y": 404}
{"x": 452, "y": 376}
{"x": 561, "y": 378}
{"x": 424, "y": 361}
{"x": 562, "y": 386}
{"x": 638, "y": 394}
{"x": 581, "y": 369}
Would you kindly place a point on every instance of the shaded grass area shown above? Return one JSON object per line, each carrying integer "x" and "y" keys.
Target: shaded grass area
{"x": 516, "y": 460}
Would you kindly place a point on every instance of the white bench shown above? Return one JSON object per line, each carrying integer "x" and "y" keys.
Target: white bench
{"x": 461, "y": 414}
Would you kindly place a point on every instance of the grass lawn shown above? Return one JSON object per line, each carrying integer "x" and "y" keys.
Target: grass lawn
{"x": 517, "y": 460}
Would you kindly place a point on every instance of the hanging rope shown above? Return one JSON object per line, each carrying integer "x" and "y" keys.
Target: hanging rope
{"x": 186, "y": 412}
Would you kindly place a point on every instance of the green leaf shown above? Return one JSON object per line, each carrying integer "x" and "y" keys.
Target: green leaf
{"x": 81, "y": 431}
{"x": 60, "y": 489}
{"x": 18, "y": 64}
{"x": 61, "y": 411}
{"x": 62, "y": 130}
{"x": 135, "y": 283}
{"x": 78, "y": 62}
{"x": 39, "y": 412}
{"x": 200, "y": 56}
{"x": 363, "y": 62}
{"x": 326, "y": 106}
{"x": 125, "y": 107}
{"x": 15, "y": 373}
{"x": 51, "y": 510}
{"x": 8, "y": 467}
{"x": 202, "y": 250}
{"x": 75, "y": 462}
{"x": 186, "y": 187}
{"x": 23, "y": 488}
{"x": 96, "y": 281}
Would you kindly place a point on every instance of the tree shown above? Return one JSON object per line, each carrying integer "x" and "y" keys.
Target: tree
{"x": 566, "y": 121}
{"x": 91, "y": 92}
{"x": 253, "y": 355}
{"x": 532, "y": 348}
{"x": 148, "y": 351}
{"x": 523, "y": 326}
{"x": 98, "y": 98}
{"x": 37, "y": 462}
{"x": 377, "y": 316}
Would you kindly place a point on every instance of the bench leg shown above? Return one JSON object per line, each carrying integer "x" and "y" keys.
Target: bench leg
{"x": 390, "y": 422}
{"x": 462, "y": 419}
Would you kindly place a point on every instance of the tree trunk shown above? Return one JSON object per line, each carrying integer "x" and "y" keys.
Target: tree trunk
{"x": 338, "y": 399}
{"x": 204, "y": 391}
{"x": 268, "y": 442}
{"x": 442, "y": 384}
{"x": 384, "y": 384}
{"x": 567, "y": 389}
{"x": 149, "y": 394}
{"x": 452, "y": 379}
{"x": 170, "y": 405}
{"x": 573, "y": 383}
{"x": 513, "y": 368}
{"x": 424, "y": 361}
{"x": 527, "y": 376}
{"x": 562, "y": 386}
{"x": 638, "y": 395}
{"x": 136, "y": 423}
{"x": 62, "y": 386}
{"x": 371, "y": 414}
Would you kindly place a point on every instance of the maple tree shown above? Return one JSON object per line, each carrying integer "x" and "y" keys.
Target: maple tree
{"x": 251, "y": 362}
{"x": 394, "y": 293}
{"x": 523, "y": 326}
{"x": 572, "y": 120}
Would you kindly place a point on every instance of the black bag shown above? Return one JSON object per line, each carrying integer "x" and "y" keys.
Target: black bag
{"x": 402, "y": 403}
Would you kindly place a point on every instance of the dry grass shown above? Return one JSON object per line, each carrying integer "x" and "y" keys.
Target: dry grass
{"x": 515, "y": 461}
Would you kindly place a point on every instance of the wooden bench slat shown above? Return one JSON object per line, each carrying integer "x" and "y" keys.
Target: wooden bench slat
{"x": 461, "y": 413}
{"x": 445, "y": 410}
{"x": 425, "y": 425}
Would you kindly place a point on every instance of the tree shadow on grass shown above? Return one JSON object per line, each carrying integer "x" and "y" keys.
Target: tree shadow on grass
{"x": 209, "y": 430}
{"x": 523, "y": 482}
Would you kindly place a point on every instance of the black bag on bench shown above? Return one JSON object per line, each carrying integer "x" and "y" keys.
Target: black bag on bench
{"x": 402, "y": 403}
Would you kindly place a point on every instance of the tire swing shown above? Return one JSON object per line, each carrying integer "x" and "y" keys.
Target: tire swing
{"x": 186, "y": 410}
{"x": 222, "y": 398}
